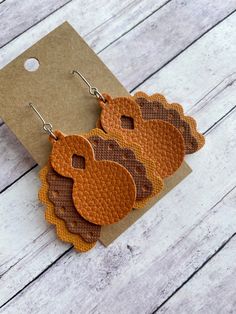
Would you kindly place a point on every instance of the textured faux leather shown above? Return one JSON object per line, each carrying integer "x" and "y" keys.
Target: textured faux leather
{"x": 104, "y": 192}
{"x": 114, "y": 148}
{"x": 62, "y": 232}
{"x": 157, "y": 107}
{"x": 60, "y": 194}
{"x": 160, "y": 141}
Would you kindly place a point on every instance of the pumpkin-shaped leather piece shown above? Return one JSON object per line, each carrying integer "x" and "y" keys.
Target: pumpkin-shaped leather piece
{"x": 103, "y": 191}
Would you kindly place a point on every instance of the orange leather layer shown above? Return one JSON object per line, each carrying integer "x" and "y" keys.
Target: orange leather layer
{"x": 50, "y": 216}
{"x": 104, "y": 192}
{"x": 98, "y": 124}
{"x": 160, "y": 141}
{"x": 157, "y": 107}
{"x": 157, "y": 182}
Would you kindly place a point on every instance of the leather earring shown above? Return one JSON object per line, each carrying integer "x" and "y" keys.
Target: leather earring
{"x": 162, "y": 131}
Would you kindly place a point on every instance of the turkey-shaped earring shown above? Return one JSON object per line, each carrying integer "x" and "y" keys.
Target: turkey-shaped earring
{"x": 102, "y": 192}
{"x": 162, "y": 131}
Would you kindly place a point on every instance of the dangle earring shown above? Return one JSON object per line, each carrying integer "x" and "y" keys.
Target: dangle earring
{"x": 161, "y": 129}
{"x": 92, "y": 180}
{"x": 97, "y": 192}
{"x": 112, "y": 146}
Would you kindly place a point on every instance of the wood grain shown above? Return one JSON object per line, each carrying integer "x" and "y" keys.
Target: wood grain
{"x": 46, "y": 242}
{"x": 89, "y": 19}
{"x": 16, "y": 16}
{"x": 189, "y": 228}
{"x": 121, "y": 23}
{"x": 203, "y": 79}
{"x": 212, "y": 290}
{"x": 161, "y": 37}
{"x": 15, "y": 160}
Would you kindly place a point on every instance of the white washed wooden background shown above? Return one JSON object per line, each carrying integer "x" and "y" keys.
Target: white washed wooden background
{"x": 180, "y": 256}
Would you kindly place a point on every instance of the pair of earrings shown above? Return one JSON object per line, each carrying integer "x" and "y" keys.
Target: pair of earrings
{"x": 97, "y": 178}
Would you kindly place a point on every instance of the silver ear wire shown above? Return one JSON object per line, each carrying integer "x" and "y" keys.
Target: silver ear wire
{"x": 46, "y": 126}
{"x": 92, "y": 89}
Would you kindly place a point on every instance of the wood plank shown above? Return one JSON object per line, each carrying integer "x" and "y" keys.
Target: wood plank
{"x": 13, "y": 16}
{"x": 89, "y": 19}
{"x": 18, "y": 270}
{"x": 90, "y": 28}
{"x": 14, "y": 160}
{"x": 212, "y": 289}
{"x": 121, "y": 23}
{"x": 150, "y": 45}
{"x": 176, "y": 237}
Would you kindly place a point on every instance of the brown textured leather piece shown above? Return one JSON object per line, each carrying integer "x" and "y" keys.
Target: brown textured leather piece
{"x": 78, "y": 162}
{"x": 156, "y": 107}
{"x": 63, "y": 233}
{"x": 136, "y": 154}
{"x": 110, "y": 150}
{"x": 160, "y": 141}
{"x": 60, "y": 194}
{"x": 104, "y": 192}
{"x": 127, "y": 122}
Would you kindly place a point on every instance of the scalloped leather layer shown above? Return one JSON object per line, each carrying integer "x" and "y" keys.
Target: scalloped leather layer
{"x": 114, "y": 148}
{"x": 50, "y": 217}
{"x": 157, "y": 107}
{"x": 60, "y": 194}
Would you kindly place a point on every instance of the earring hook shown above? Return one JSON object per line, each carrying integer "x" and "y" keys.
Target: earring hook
{"x": 92, "y": 89}
{"x": 46, "y": 126}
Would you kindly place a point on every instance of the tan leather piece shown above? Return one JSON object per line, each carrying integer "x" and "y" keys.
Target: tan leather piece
{"x": 60, "y": 194}
{"x": 160, "y": 141}
{"x": 50, "y": 216}
{"x": 104, "y": 192}
{"x": 98, "y": 124}
{"x": 157, "y": 107}
{"x": 113, "y": 147}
